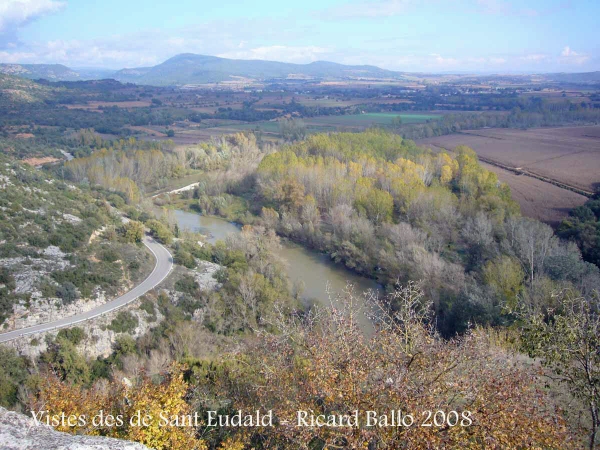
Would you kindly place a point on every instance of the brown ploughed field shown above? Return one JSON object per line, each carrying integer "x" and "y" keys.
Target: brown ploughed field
{"x": 567, "y": 155}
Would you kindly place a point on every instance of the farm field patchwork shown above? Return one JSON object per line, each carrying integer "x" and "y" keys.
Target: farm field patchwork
{"x": 319, "y": 124}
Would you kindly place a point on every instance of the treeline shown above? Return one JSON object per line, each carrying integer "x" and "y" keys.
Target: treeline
{"x": 132, "y": 167}
{"x": 112, "y": 120}
{"x": 452, "y": 123}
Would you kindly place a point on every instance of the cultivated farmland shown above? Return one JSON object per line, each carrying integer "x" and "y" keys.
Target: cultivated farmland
{"x": 567, "y": 155}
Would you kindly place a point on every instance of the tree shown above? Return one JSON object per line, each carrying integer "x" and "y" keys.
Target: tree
{"x": 292, "y": 129}
{"x": 13, "y": 373}
{"x": 133, "y": 231}
{"x": 568, "y": 342}
{"x": 506, "y": 276}
{"x": 270, "y": 218}
{"x": 160, "y": 231}
{"x": 68, "y": 364}
{"x": 144, "y": 397}
{"x": 531, "y": 242}
{"x": 378, "y": 205}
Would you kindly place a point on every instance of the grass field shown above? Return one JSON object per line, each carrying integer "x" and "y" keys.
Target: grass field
{"x": 368, "y": 119}
{"x": 568, "y": 155}
{"x": 353, "y": 122}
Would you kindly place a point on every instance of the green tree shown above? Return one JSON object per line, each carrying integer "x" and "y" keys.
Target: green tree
{"x": 67, "y": 292}
{"x": 506, "y": 276}
{"x": 13, "y": 373}
{"x": 568, "y": 342}
{"x": 67, "y": 362}
{"x": 378, "y": 205}
{"x": 133, "y": 231}
{"x": 160, "y": 231}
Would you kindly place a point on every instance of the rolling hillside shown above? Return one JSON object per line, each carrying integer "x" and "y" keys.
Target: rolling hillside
{"x": 51, "y": 72}
{"x": 17, "y": 90}
{"x": 189, "y": 68}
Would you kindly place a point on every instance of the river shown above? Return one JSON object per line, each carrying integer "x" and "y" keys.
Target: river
{"x": 316, "y": 271}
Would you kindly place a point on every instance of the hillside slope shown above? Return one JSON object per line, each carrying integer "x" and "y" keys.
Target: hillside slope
{"x": 189, "y": 68}
{"x": 52, "y": 72}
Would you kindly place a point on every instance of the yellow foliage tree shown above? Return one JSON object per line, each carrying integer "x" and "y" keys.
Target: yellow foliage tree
{"x": 146, "y": 398}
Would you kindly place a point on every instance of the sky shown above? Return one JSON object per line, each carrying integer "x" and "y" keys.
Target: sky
{"x": 445, "y": 36}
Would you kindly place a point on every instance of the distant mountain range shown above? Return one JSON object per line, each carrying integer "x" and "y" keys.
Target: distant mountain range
{"x": 190, "y": 68}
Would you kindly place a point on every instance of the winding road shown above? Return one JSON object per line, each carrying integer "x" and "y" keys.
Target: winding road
{"x": 164, "y": 265}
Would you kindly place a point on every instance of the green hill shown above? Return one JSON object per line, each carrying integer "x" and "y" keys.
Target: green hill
{"x": 189, "y": 68}
{"x": 51, "y": 72}
{"x": 15, "y": 90}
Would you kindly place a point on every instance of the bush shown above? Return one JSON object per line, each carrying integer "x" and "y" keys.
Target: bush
{"x": 185, "y": 259}
{"x": 74, "y": 335}
{"x": 148, "y": 306}
{"x": 124, "y": 345}
{"x": 116, "y": 200}
{"x": 187, "y": 284}
{"x": 109, "y": 255}
{"x": 125, "y": 322}
{"x": 160, "y": 231}
{"x": 67, "y": 292}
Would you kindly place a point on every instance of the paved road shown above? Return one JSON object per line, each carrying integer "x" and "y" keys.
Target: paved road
{"x": 164, "y": 264}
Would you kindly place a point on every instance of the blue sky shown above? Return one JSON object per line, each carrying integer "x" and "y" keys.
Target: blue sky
{"x": 499, "y": 36}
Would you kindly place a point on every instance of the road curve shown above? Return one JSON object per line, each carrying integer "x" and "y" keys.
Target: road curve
{"x": 162, "y": 268}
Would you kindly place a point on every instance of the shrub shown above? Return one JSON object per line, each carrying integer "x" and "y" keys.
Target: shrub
{"x": 116, "y": 200}
{"x": 125, "y": 322}
{"x": 187, "y": 284}
{"x": 74, "y": 335}
{"x": 185, "y": 259}
{"x": 109, "y": 255}
{"x": 67, "y": 292}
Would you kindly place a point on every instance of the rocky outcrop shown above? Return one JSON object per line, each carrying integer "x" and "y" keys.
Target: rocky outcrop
{"x": 19, "y": 432}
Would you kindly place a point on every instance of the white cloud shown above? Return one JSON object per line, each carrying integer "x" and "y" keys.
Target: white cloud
{"x": 283, "y": 53}
{"x": 16, "y": 13}
{"x": 534, "y": 57}
{"x": 569, "y": 56}
{"x": 15, "y": 57}
{"x": 444, "y": 62}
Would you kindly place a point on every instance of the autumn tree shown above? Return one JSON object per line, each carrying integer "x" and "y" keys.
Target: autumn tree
{"x": 127, "y": 399}
{"x": 326, "y": 365}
